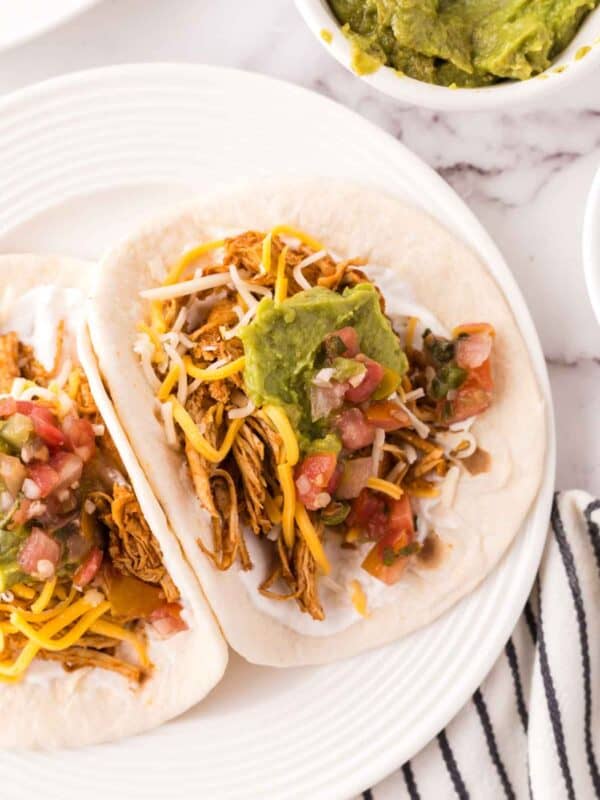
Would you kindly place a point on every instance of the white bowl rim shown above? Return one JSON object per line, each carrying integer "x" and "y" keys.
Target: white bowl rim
{"x": 591, "y": 244}
{"x": 318, "y": 16}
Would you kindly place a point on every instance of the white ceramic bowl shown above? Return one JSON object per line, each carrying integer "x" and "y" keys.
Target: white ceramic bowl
{"x": 319, "y": 17}
{"x": 591, "y": 245}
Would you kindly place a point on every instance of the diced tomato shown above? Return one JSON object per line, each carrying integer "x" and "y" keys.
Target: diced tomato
{"x": 356, "y": 473}
{"x": 349, "y": 337}
{"x": 354, "y": 429}
{"x": 38, "y": 547}
{"x": 8, "y": 406}
{"x": 166, "y": 620}
{"x": 473, "y": 350}
{"x": 369, "y": 513}
{"x": 80, "y": 437}
{"x": 46, "y": 426}
{"x": 313, "y": 476}
{"x": 473, "y": 397}
{"x": 387, "y": 415}
{"x": 44, "y": 477}
{"x": 68, "y": 467}
{"x": 371, "y": 380}
{"x": 88, "y": 569}
{"x": 387, "y": 559}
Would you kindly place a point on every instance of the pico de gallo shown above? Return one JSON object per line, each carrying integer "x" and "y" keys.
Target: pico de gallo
{"x": 80, "y": 571}
{"x": 302, "y": 411}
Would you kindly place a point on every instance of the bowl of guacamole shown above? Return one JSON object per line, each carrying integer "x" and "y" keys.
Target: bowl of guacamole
{"x": 460, "y": 54}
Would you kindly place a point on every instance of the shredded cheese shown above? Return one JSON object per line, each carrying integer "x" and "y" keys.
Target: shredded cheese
{"x": 288, "y": 230}
{"x": 44, "y": 640}
{"x": 265, "y": 263}
{"x": 73, "y": 383}
{"x": 44, "y": 596}
{"x": 410, "y": 332}
{"x": 244, "y": 289}
{"x": 311, "y": 538}
{"x": 159, "y": 293}
{"x": 282, "y": 424}
{"x": 359, "y": 598}
{"x": 242, "y": 411}
{"x": 182, "y": 386}
{"x": 385, "y": 487}
{"x": 421, "y": 428}
{"x": 166, "y": 412}
{"x": 281, "y": 282}
{"x": 195, "y": 438}
{"x": 306, "y": 262}
{"x": 23, "y": 591}
{"x": 168, "y": 383}
{"x": 188, "y": 258}
{"x": 104, "y": 628}
{"x": 286, "y": 480}
{"x": 273, "y": 508}
{"x": 214, "y": 374}
{"x": 157, "y": 317}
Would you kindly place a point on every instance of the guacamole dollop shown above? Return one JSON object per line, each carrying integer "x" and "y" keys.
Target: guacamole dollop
{"x": 463, "y": 43}
{"x": 282, "y": 343}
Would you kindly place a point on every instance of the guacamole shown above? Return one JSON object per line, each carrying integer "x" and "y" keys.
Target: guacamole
{"x": 282, "y": 346}
{"x": 463, "y": 43}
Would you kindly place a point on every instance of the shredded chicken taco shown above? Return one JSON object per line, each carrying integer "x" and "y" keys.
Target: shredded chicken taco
{"x": 324, "y": 374}
{"x": 99, "y": 616}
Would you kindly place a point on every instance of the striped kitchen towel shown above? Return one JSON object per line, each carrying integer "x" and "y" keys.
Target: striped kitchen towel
{"x": 532, "y": 729}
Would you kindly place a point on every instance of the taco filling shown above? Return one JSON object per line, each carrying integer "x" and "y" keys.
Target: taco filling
{"x": 313, "y": 419}
{"x": 81, "y": 574}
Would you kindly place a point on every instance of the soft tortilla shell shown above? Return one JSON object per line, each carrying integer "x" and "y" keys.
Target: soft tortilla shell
{"x": 448, "y": 279}
{"x": 89, "y": 706}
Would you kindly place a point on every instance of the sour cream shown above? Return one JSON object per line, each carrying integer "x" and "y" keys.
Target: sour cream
{"x": 35, "y": 317}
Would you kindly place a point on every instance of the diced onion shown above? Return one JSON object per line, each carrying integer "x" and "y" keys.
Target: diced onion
{"x": 220, "y": 362}
{"x": 31, "y": 490}
{"x": 98, "y": 430}
{"x": 63, "y": 375}
{"x": 306, "y": 262}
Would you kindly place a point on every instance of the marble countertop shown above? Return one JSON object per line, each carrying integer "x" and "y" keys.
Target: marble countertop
{"x": 525, "y": 173}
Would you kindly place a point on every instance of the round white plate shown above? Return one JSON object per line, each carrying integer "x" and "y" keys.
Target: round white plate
{"x": 591, "y": 245}
{"x": 21, "y": 20}
{"x": 84, "y": 159}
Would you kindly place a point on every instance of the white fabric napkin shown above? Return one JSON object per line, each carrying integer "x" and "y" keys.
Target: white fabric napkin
{"x": 532, "y": 729}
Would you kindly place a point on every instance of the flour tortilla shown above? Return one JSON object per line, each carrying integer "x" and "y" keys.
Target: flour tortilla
{"x": 448, "y": 279}
{"x": 51, "y": 708}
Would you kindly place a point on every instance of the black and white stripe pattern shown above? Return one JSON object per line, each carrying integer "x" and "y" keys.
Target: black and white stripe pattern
{"x": 532, "y": 729}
